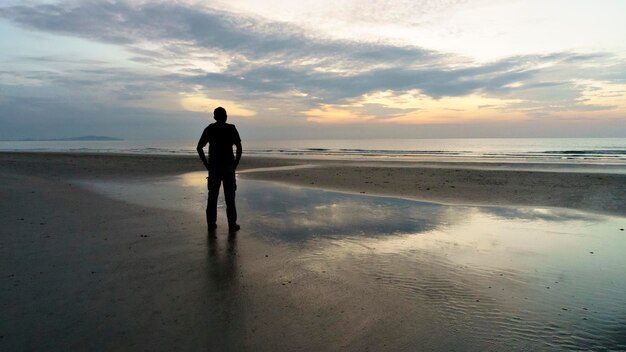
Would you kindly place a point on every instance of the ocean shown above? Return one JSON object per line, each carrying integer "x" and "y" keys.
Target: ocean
{"x": 598, "y": 151}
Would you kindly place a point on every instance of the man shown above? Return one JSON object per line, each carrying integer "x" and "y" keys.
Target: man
{"x": 221, "y": 137}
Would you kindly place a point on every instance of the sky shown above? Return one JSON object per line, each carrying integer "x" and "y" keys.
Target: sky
{"x": 289, "y": 69}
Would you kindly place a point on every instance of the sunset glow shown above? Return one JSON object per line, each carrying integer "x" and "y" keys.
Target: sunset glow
{"x": 108, "y": 65}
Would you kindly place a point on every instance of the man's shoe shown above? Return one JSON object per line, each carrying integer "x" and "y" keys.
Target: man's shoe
{"x": 234, "y": 228}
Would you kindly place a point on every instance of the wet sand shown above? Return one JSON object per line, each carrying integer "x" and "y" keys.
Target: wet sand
{"x": 462, "y": 183}
{"x": 576, "y": 187}
{"x": 84, "y": 271}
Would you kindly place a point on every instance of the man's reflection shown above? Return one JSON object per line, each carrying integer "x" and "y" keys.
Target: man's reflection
{"x": 222, "y": 263}
{"x": 227, "y": 309}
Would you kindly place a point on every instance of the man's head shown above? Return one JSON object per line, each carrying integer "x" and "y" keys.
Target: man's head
{"x": 219, "y": 114}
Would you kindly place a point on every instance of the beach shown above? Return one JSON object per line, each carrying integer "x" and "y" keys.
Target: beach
{"x": 312, "y": 176}
{"x": 103, "y": 252}
{"x": 578, "y": 187}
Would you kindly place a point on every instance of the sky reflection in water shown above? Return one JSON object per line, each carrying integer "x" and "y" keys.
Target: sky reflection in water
{"x": 550, "y": 278}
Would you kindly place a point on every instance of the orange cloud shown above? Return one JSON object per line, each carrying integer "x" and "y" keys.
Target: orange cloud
{"x": 202, "y": 104}
{"x": 336, "y": 115}
{"x": 416, "y": 108}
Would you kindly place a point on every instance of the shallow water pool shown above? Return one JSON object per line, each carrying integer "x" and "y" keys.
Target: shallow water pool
{"x": 542, "y": 277}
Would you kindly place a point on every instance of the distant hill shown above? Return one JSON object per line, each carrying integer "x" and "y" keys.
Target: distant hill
{"x": 81, "y": 138}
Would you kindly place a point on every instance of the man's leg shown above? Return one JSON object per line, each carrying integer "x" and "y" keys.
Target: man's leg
{"x": 213, "y": 184}
{"x": 230, "y": 186}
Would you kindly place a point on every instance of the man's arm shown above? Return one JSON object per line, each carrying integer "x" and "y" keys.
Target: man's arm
{"x": 238, "y": 153}
{"x": 237, "y": 143}
{"x": 200, "y": 148}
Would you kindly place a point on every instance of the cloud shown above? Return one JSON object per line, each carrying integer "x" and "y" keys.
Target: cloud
{"x": 336, "y": 115}
{"x": 270, "y": 56}
{"x": 413, "y": 107}
{"x": 177, "y": 27}
{"x": 194, "y": 55}
{"x": 203, "y": 104}
{"x": 436, "y": 82}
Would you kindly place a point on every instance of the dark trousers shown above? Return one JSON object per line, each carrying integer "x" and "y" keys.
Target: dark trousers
{"x": 219, "y": 174}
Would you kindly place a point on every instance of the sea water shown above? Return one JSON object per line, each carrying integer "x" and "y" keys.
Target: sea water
{"x": 599, "y": 151}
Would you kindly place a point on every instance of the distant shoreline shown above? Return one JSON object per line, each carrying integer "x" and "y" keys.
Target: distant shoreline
{"x": 68, "y": 139}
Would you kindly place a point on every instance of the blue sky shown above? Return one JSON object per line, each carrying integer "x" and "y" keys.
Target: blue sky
{"x": 323, "y": 69}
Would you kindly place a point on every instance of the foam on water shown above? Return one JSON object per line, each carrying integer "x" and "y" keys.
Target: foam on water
{"x": 599, "y": 151}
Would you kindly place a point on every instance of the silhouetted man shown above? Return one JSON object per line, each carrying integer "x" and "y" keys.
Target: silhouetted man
{"x": 221, "y": 137}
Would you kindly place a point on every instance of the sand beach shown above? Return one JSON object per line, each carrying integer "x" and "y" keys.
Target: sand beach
{"x": 111, "y": 252}
{"x": 408, "y": 176}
